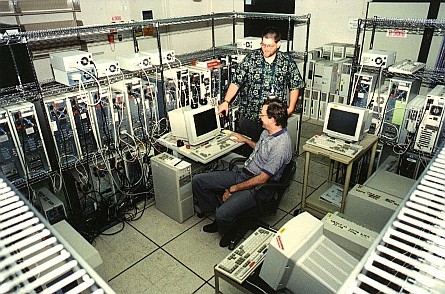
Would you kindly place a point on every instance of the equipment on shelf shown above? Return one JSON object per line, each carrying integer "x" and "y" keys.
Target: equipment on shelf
{"x": 400, "y": 93}
{"x": 134, "y": 62}
{"x": 168, "y": 56}
{"x": 406, "y": 66}
{"x": 70, "y": 60}
{"x": 28, "y": 136}
{"x": 107, "y": 67}
{"x": 249, "y": 43}
{"x": 430, "y": 129}
{"x": 378, "y": 58}
{"x": 74, "y": 77}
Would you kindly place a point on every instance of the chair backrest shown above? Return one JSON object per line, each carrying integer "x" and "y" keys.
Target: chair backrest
{"x": 278, "y": 188}
{"x": 288, "y": 172}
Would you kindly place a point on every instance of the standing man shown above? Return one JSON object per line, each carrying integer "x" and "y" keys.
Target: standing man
{"x": 263, "y": 74}
{"x": 230, "y": 193}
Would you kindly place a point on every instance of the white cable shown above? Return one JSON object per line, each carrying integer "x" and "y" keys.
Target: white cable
{"x": 83, "y": 86}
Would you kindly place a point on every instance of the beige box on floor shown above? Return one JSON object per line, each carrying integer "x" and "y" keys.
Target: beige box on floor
{"x": 79, "y": 244}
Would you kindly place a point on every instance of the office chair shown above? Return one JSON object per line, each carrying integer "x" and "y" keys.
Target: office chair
{"x": 250, "y": 219}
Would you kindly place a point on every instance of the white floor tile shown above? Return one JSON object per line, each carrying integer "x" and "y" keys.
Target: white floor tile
{"x": 157, "y": 273}
{"x": 159, "y": 227}
{"x": 198, "y": 250}
{"x": 121, "y": 250}
{"x": 206, "y": 289}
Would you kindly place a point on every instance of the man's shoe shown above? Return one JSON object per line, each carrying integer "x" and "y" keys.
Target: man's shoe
{"x": 211, "y": 228}
{"x": 227, "y": 238}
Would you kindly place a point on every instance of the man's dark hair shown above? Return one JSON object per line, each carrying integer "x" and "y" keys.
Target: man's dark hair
{"x": 278, "y": 110}
{"x": 272, "y": 33}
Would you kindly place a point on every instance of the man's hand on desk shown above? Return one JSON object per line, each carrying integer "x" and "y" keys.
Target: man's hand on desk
{"x": 242, "y": 139}
{"x": 237, "y": 137}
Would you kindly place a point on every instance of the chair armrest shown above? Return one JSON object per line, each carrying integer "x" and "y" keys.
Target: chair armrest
{"x": 272, "y": 185}
{"x": 236, "y": 161}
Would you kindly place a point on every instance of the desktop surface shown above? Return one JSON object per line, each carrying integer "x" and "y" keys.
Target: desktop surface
{"x": 210, "y": 150}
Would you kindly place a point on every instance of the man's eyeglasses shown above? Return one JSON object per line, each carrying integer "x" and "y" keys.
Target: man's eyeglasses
{"x": 268, "y": 45}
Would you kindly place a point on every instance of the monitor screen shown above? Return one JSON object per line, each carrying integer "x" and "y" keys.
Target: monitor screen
{"x": 205, "y": 122}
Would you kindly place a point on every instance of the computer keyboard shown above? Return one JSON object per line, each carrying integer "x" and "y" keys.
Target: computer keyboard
{"x": 406, "y": 66}
{"x": 335, "y": 145}
{"x": 241, "y": 262}
{"x": 215, "y": 147}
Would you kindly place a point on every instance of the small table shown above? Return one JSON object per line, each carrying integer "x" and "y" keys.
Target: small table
{"x": 368, "y": 142}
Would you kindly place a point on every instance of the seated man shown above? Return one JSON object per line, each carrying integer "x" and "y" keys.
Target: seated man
{"x": 229, "y": 193}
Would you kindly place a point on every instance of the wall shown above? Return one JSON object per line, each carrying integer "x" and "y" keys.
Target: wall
{"x": 330, "y": 23}
{"x": 329, "y": 20}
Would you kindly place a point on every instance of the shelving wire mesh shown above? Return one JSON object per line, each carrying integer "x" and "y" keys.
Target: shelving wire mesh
{"x": 94, "y": 29}
{"x": 34, "y": 258}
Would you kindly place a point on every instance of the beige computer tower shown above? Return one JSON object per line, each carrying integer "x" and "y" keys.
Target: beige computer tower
{"x": 172, "y": 181}
{"x": 370, "y": 207}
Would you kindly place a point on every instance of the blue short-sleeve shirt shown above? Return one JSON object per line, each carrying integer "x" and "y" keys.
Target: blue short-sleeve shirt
{"x": 271, "y": 154}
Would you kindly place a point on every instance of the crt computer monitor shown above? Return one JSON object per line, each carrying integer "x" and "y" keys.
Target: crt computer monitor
{"x": 301, "y": 259}
{"x": 346, "y": 122}
{"x": 194, "y": 125}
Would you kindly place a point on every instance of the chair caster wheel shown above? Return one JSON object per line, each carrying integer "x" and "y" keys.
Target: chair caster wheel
{"x": 297, "y": 212}
{"x": 200, "y": 215}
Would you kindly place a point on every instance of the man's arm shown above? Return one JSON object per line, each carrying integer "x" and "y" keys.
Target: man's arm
{"x": 253, "y": 182}
{"x": 242, "y": 139}
{"x": 293, "y": 97}
{"x": 231, "y": 92}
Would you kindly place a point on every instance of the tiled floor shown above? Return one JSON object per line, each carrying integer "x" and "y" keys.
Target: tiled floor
{"x": 155, "y": 254}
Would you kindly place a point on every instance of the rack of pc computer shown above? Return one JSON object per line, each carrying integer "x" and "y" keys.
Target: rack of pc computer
{"x": 105, "y": 115}
{"x": 87, "y": 133}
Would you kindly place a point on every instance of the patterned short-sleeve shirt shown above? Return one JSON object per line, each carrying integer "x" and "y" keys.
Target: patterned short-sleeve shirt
{"x": 258, "y": 80}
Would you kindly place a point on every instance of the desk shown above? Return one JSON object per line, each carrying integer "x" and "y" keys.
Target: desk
{"x": 169, "y": 141}
{"x": 247, "y": 286}
{"x": 368, "y": 142}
